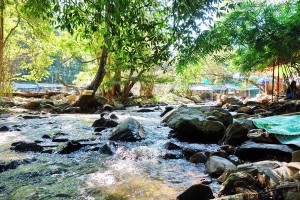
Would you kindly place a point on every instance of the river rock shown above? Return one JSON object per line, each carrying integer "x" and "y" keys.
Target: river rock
{"x": 145, "y": 110}
{"x": 238, "y": 180}
{"x": 288, "y": 191}
{"x": 167, "y": 109}
{"x": 199, "y": 157}
{"x": 128, "y": 130}
{"x": 109, "y": 148}
{"x": 246, "y": 110}
{"x": 258, "y": 167}
{"x": 232, "y": 101}
{"x": 70, "y": 147}
{"x": 196, "y": 99}
{"x": 172, "y": 146}
{"x": 251, "y": 151}
{"x": 235, "y": 134}
{"x": 296, "y": 156}
{"x": 26, "y": 146}
{"x": 4, "y": 128}
{"x": 104, "y": 122}
{"x": 218, "y": 165}
{"x": 198, "y": 124}
{"x": 13, "y": 164}
{"x": 197, "y": 192}
{"x": 108, "y": 108}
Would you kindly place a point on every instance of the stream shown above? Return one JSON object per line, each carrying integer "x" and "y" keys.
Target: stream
{"x": 135, "y": 171}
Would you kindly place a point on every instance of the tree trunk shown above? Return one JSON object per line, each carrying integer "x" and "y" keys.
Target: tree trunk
{"x": 2, "y": 73}
{"x": 146, "y": 89}
{"x": 89, "y": 101}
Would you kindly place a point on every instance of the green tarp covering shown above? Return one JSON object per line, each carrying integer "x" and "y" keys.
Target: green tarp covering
{"x": 285, "y": 128}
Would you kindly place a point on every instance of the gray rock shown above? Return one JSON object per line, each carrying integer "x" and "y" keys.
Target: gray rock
{"x": 70, "y": 147}
{"x": 199, "y": 157}
{"x": 128, "y": 130}
{"x": 251, "y": 151}
{"x": 167, "y": 109}
{"x": 238, "y": 180}
{"x": 235, "y": 134}
{"x": 197, "y": 192}
{"x": 4, "y": 128}
{"x": 198, "y": 124}
{"x": 109, "y": 148}
{"x": 26, "y": 146}
{"x": 218, "y": 165}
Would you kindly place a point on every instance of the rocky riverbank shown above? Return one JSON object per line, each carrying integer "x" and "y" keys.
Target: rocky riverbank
{"x": 247, "y": 162}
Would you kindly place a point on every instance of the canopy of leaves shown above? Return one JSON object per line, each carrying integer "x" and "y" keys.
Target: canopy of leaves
{"x": 262, "y": 34}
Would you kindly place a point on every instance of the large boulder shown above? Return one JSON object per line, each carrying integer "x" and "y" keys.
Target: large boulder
{"x": 198, "y": 124}
{"x": 197, "y": 192}
{"x": 235, "y": 134}
{"x": 218, "y": 165}
{"x": 251, "y": 151}
{"x": 128, "y": 130}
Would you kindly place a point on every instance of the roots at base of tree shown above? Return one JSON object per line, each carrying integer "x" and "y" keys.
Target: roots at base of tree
{"x": 87, "y": 103}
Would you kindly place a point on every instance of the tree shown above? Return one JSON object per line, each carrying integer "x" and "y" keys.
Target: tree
{"x": 262, "y": 34}
{"x": 130, "y": 23}
{"x": 24, "y": 43}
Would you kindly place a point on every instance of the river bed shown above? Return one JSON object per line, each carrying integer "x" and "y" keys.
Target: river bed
{"x": 135, "y": 171}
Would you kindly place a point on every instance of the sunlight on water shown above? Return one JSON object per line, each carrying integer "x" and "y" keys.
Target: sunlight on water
{"x": 135, "y": 171}
{"x": 138, "y": 187}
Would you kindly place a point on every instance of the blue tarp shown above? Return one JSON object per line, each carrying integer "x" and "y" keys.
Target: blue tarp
{"x": 285, "y": 128}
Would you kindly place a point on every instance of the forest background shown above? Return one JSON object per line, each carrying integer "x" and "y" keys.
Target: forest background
{"x": 120, "y": 43}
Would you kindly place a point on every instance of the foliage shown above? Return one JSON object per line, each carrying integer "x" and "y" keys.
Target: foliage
{"x": 262, "y": 34}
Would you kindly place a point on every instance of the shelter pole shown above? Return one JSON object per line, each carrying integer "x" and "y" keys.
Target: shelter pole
{"x": 273, "y": 82}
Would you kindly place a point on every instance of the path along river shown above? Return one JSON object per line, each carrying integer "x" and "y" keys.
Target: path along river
{"x": 135, "y": 171}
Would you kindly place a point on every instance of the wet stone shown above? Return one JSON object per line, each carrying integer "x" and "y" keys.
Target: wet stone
{"x": 172, "y": 155}
{"x": 99, "y": 129}
{"x": 4, "y": 128}
{"x": 172, "y": 146}
{"x": 26, "y": 146}
{"x": 46, "y": 136}
{"x": 70, "y": 147}
{"x": 145, "y": 110}
{"x": 60, "y": 139}
{"x": 109, "y": 148}
{"x": 197, "y": 192}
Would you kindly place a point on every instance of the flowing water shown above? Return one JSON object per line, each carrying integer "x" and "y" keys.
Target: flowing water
{"x": 136, "y": 171}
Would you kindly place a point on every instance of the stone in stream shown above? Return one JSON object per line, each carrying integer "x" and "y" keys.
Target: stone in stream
{"x": 13, "y": 164}
{"x": 26, "y": 146}
{"x": 167, "y": 109}
{"x": 70, "y": 147}
{"x": 251, "y": 151}
{"x": 103, "y": 122}
{"x": 172, "y": 146}
{"x": 145, "y": 110}
{"x": 109, "y": 148}
{"x": 199, "y": 157}
{"x": 198, "y": 124}
{"x": 217, "y": 165}
{"x": 197, "y": 192}
{"x": 4, "y": 128}
{"x": 128, "y": 130}
{"x": 235, "y": 134}
{"x": 60, "y": 139}
{"x": 45, "y": 136}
